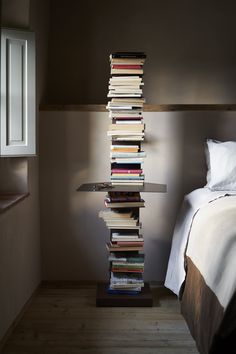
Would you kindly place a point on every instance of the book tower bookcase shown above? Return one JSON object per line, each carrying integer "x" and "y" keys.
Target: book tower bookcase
{"x": 123, "y": 201}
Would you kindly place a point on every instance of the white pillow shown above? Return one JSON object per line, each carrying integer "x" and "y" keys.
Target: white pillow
{"x": 221, "y": 161}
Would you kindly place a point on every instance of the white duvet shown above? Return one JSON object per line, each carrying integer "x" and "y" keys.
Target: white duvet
{"x": 207, "y": 234}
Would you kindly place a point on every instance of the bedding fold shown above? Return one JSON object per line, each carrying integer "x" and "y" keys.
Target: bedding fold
{"x": 193, "y": 202}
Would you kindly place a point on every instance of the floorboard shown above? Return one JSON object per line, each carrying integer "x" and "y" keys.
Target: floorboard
{"x": 66, "y": 321}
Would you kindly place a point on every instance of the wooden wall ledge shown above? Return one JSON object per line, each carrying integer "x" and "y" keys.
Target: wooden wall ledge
{"x": 147, "y": 107}
{"x": 8, "y": 200}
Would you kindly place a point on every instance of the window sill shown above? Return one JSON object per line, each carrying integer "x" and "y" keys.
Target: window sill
{"x": 8, "y": 200}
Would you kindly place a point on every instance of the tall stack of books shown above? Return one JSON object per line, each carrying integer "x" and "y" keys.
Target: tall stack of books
{"x": 127, "y": 132}
{"x": 126, "y": 112}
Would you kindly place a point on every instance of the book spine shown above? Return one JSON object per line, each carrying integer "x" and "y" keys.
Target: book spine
{"x": 122, "y": 66}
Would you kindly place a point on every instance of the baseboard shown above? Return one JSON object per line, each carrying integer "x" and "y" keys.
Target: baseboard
{"x": 17, "y": 319}
{"x": 155, "y": 283}
{"x": 67, "y": 284}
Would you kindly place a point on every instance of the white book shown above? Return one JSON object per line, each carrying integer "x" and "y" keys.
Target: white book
{"x": 127, "y": 238}
{"x": 121, "y": 236}
{"x": 128, "y": 154}
{"x": 124, "y": 132}
{"x": 125, "y": 87}
{"x": 123, "y": 108}
{"x": 124, "y": 83}
{"x": 114, "y": 257}
{"x": 124, "y": 105}
{"x": 128, "y": 138}
{"x": 128, "y": 127}
{"x": 124, "y": 94}
{"x": 125, "y": 90}
{"x": 132, "y": 114}
{"x": 127, "y": 176}
{"x": 115, "y": 214}
{"x": 127, "y": 279}
{"x": 119, "y": 78}
{"x": 124, "y": 146}
{"x": 115, "y": 239}
{"x": 128, "y": 100}
{"x": 128, "y": 160}
{"x": 127, "y": 184}
{"x": 129, "y": 121}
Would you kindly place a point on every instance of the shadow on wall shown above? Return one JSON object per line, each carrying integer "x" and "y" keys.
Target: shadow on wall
{"x": 13, "y": 175}
{"x": 197, "y": 128}
{"x": 64, "y": 152}
{"x": 71, "y": 150}
{"x": 74, "y": 149}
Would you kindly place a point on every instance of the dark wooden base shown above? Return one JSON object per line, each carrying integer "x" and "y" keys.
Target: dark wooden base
{"x": 103, "y": 299}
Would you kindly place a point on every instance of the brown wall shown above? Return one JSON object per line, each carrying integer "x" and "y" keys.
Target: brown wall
{"x": 191, "y": 59}
{"x": 74, "y": 149}
{"x": 190, "y": 47}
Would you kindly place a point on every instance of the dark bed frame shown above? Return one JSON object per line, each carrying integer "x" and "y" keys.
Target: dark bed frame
{"x": 213, "y": 329}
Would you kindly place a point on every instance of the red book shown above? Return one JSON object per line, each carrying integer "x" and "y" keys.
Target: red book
{"x": 125, "y": 270}
{"x": 116, "y": 170}
{"x": 116, "y": 66}
{"x": 129, "y": 243}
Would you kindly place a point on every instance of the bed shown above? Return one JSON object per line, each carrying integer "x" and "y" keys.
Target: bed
{"x": 202, "y": 263}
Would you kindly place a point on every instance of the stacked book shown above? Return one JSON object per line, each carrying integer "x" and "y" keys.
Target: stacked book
{"x": 126, "y": 131}
{"x": 126, "y": 262}
{"x": 126, "y": 242}
{"x": 126, "y": 112}
{"x": 123, "y": 200}
{"x": 116, "y": 218}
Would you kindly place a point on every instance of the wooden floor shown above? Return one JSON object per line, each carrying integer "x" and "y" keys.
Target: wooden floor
{"x": 67, "y": 321}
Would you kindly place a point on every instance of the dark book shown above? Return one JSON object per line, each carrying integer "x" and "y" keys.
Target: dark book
{"x": 115, "y": 119}
{"x": 126, "y": 166}
{"x": 128, "y": 205}
{"x": 123, "y": 197}
{"x": 128, "y": 243}
{"x": 127, "y": 270}
{"x": 132, "y": 233}
{"x": 128, "y": 55}
{"x": 124, "y": 292}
